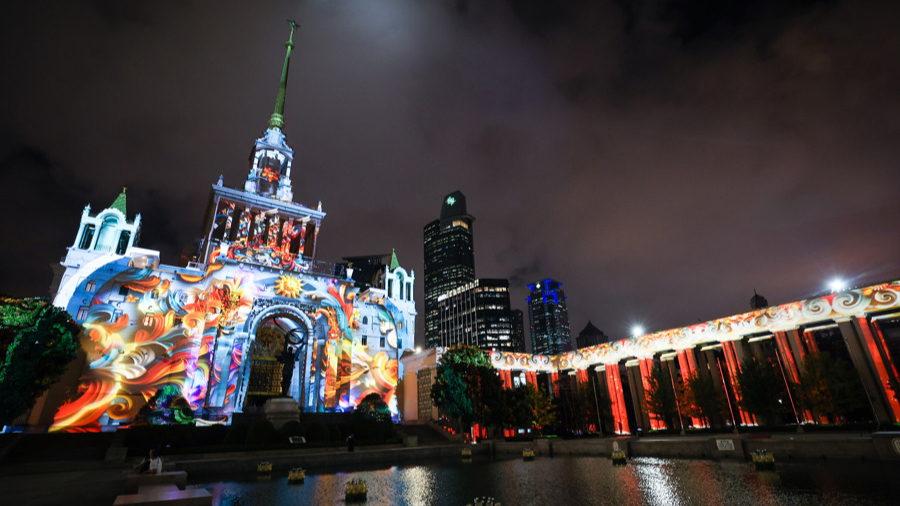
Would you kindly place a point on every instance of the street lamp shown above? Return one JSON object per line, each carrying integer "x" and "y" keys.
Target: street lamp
{"x": 836, "y": 285}
{"x": 637, "y": 331}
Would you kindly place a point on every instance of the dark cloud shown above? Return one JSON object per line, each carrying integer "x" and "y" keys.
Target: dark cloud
{"x": 660, "y": 158}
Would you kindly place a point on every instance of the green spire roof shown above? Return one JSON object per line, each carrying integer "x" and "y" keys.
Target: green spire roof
{"x": 277, "y": 119}
{"x": 119, "y": 203}
{"x": 394, "y": 262}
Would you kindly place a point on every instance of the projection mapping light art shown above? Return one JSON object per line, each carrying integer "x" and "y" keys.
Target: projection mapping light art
{"x": 858, "y": 301}
{"x": 147, "y": 329}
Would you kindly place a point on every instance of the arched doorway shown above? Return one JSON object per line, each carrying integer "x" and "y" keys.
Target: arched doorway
{"x": 278, "y": 357}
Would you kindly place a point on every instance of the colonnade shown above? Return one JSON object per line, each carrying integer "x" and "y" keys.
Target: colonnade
{"x": 861, "y": 325}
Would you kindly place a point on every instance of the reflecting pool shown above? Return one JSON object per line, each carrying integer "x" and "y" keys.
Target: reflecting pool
{"x": 572, "y": 481}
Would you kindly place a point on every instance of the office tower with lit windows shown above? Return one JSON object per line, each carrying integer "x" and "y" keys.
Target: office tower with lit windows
{"x": 476, "y": 314}
{"x": 549, "y": 318}
{"x": 518, "y": 333}
{"x": 449, "y": 258}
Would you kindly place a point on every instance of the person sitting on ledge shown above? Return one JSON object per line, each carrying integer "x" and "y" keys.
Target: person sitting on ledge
{"x": 150, "y": 465}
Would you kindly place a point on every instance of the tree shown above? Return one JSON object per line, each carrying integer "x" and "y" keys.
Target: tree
{"x": 660, "y": 398}
{"x": 373, "y": 407}
{"x": 762, "y": 391}
{"x": 533, "y": 407}
{"x": 450, "y": 394}
{"x": 467, "y": 388}
{"x": 584, "y": 407}
{"x": 491, "y": 406}
{"x": 700, "y": 398}
{"x": 37, "y": 342}
{"x": 372, "y": 418}
{"x": 830, "y": 387}
{"x": 607, "y": 422}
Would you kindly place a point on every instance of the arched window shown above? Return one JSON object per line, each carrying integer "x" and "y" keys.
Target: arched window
{"x": 365, "y": 320}
{"x": 106, "y": 240}
{"x": 90, "y": 286}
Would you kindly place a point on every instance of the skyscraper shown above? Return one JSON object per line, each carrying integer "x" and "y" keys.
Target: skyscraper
{"x": 590, "y": 336}
{"x": 518, "y": 323}
{"x": 549, "y": 318}
{"x": 476, "y": 314}
{"x": 449, "y": 258}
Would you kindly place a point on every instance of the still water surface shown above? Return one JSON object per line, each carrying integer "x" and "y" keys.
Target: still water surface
{"x": 575, "y": 481}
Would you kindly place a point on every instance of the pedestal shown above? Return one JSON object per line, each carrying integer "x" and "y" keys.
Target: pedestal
{"x": 281, "y": 410}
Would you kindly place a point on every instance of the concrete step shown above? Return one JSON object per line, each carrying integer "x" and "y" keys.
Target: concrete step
{"x": 167, "y": 496}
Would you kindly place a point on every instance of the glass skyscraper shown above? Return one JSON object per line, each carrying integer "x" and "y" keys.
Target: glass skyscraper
{"x": 449, "y": 258}
{"x": 476, "y": 314}
{"x": 549, "y": 318}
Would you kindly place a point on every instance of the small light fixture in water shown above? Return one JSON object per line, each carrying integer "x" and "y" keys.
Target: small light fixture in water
{"x": 485, "y": 501}
{"x": 356, "y": 490}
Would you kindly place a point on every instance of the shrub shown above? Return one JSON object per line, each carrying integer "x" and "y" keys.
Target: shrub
{"x": 209, "y": 436}
{"x": 334, "y": 432}
{"x": 237, "y": 433}
{"x": 292, "y": 429}
{"x": 261, "y": 432}
{"x": 317, "y": 432}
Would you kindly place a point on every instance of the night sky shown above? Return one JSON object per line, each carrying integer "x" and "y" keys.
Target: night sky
{"x": 662, "y": 159}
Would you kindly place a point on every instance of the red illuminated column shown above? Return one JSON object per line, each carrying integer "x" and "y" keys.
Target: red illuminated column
{"x": 798, "y": 345}
{"x": 506, "y": 378}
{"x": 582, "y": 377}
{"x": 889, "y": 360}
{"x": 554, "y": 379}
{"x": 646, "y": 367}
{"x": 881, "y": 360}
{"x": 688, "y": 366}
{"x": 809, "y": 339}
{"x": 789, "y": 349}
{"x": 617, "y": 397}
{"x": 734, "y": 366}
{"x": 790, "y": 364}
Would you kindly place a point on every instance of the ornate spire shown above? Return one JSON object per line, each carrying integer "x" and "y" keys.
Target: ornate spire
{"x": 119, "y": 203}
{"x": 277, "y": 119}
{"x": 394, "y": 262}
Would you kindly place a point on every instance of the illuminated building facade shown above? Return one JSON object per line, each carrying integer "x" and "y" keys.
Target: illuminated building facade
{"x": 859, "y": 325}
{"x": 254, "y": 316}
{"x": 476, "y": 314}
{"x": 549, "y": 318}
{"x": 449, "y": 258}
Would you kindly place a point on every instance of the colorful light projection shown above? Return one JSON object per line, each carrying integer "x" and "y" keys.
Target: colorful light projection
{"x": 137, "y": 344}
{"x": 146, "y": 329}
{"x": 262, "y": 238}
{"x": 846, "y": 304}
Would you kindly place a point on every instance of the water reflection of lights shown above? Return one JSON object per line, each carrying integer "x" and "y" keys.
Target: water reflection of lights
{"x": 418, "y": 485}
{"x": 655, "y": 479}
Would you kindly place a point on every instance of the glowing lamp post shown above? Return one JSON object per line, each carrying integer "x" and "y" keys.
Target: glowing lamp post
{"x": 837, "y": 285}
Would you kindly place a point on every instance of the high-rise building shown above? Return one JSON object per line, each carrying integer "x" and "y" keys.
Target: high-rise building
{"x": 549, "y": 318}
{"x": 590, "y": 336}
{"x": 449, "y": 258}
{"x": 476, "y": 314}
{"x": 518, "y": 323}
